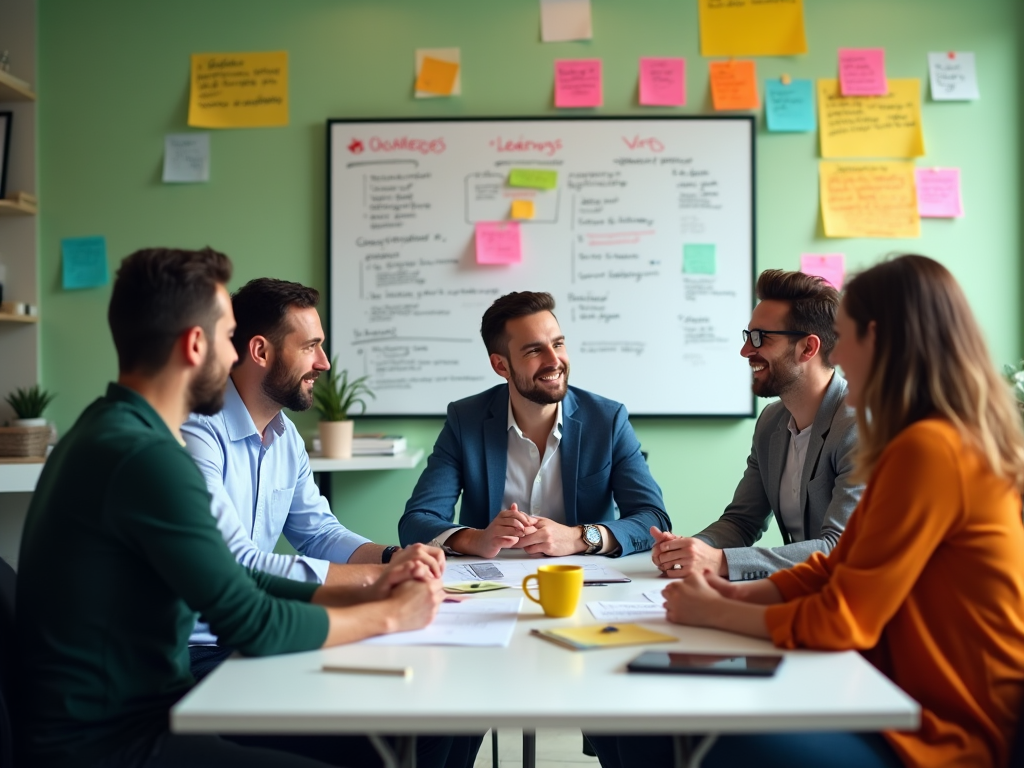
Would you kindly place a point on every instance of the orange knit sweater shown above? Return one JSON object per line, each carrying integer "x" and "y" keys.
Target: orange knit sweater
{"x": 928, "y": 581}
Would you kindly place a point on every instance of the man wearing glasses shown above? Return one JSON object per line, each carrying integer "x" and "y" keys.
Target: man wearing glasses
{"x": 801, "y": 459}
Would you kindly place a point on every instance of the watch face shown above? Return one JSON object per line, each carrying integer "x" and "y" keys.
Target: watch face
{"x": 592, "y": 535}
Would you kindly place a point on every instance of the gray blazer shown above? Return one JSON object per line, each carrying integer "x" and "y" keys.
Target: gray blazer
{"x": 828, "y": 495}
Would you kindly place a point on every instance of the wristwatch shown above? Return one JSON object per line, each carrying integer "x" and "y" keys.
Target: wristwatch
{"x": 388, "y": 553}
{"x": 592, "y": 538}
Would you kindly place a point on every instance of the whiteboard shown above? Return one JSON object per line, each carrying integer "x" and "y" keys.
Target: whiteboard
{"x": 646, "y": 242}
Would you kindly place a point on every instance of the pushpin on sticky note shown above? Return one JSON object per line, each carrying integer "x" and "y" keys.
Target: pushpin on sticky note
{"x": 523, "y": 209}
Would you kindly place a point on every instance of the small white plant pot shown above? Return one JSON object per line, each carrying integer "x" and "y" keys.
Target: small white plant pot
{"x": 336, "y": 439}
{"x": 40, "y": 422}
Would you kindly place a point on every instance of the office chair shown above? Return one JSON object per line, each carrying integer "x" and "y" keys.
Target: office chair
{"x": 8, "y": 663}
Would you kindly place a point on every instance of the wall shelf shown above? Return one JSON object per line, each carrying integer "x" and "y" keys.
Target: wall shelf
{"x": 13, "y": 89}
{"x": 9, "y": 318}
{"x": 14, "y": 208}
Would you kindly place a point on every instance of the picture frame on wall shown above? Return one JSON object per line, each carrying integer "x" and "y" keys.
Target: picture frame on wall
{"x": 5, "y": 146}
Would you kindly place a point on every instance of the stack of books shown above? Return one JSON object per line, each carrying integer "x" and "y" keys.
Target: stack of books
{"x": 377, "y": 444}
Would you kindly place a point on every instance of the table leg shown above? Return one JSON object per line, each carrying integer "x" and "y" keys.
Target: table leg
{"x": 690, "y": 750}
{"x": 402, "y": 756}
{"x": 529, "y": 749}
{"x": 494, "y": 747}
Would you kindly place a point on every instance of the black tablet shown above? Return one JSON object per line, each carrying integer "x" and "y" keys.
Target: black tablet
{"x": 668, "y": 662}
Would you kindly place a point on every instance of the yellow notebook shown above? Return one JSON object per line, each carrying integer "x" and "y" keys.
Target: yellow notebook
{"x": 603, "y": 636}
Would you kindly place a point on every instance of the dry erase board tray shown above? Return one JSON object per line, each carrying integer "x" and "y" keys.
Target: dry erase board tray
{"x": 646, "y": 241}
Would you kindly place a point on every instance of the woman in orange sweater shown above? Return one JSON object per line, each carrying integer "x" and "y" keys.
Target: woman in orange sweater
{"x": 928, "y": 578}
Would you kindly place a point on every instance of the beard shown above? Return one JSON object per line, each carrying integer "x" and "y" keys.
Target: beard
{"x": 782, "y": 375}
{"x": 537, "y": 394}
{"x": 287, "y": 390}
{"x": 206, "y": 392}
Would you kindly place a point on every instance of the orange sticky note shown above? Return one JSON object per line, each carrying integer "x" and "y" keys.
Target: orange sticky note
{"x": 436, "y": 76}
{"x": 734, "y": 85}
{"x": 523, "y": 209}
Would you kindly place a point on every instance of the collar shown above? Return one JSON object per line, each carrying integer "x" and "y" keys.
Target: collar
{"x": 556, "y": 430}
{"x": 239, "y": 423}
{"x": 798, "y": 432}
{"x": 118, "y": 393}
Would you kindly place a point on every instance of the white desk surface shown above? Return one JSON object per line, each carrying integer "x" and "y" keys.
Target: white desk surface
{"x": 536, "y": 684}
{"x": 22, "y": 478}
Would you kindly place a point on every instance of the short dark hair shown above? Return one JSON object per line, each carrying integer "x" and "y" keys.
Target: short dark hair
{"x": 813, "y": 303}
{"x": 160, "y": 293}
{"x": 261, "y": 309}
{"x": 509, "y": 307}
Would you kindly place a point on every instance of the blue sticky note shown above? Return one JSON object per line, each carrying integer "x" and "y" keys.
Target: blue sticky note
{"x": 698, "y": 259}
{"x": 84, "y": 262}
{"x": 789, "y": 107}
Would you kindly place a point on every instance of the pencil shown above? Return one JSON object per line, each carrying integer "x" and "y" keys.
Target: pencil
{"x": 393, "y": 671}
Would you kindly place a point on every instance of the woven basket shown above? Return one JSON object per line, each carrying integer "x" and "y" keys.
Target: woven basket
{"x": 24, "y": 441}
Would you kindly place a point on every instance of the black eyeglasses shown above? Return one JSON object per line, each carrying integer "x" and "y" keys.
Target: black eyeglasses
{"x": 756, "y": 335}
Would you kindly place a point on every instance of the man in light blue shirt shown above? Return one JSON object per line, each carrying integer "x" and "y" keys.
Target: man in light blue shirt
{"x": 255, "y": 463}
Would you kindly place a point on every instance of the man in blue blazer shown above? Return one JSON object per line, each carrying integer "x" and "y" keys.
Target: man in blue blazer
{"x": 541, "y": 466}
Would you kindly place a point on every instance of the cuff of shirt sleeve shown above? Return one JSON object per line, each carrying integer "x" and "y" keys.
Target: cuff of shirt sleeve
{"x": 441, "y": 539}
{"x": 314, "y": 569}
{"x": 787, "y": 584}
{"x": 779, "y": 620}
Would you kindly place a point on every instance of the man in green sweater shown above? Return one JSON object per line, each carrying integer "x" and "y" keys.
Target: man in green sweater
{"x": 120, "y": 551}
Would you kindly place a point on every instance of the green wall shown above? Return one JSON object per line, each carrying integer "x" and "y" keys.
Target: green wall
{"x": 113, "y": 79}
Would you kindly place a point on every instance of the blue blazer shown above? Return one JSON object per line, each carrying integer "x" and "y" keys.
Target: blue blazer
{"x": 604, "y": 471}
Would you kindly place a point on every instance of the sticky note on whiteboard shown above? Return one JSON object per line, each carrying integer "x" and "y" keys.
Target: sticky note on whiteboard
{"x": 498, "y": 242}
{"x": 523, "y": 209}
{"x": 698, "y": 259}
{"x": 532, "y": 178}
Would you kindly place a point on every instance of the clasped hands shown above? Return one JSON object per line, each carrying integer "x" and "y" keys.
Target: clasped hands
{"x": 680, "y": 556}
{"x": 514, "y": 529}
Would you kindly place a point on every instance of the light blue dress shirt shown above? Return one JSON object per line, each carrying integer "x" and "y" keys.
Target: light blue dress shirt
{"x": 263, "y": 488}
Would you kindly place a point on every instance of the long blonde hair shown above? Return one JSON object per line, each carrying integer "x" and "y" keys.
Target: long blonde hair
{"x": 930, "y": 357}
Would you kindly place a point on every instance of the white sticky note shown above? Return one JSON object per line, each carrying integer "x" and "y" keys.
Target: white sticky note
{"x": 186, "y": 158}
{"x": 451, "y": 55}
{"x": 953, "y": 76}
{"x": 562, "y": 20}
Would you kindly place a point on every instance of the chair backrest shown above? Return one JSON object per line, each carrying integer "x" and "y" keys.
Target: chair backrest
{"x": 8, "y": 663}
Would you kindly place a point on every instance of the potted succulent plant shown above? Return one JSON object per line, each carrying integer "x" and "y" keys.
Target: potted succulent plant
{"x": 334, "y": 395}
{"x": 27, "y": 436}
{"x": 28, "y": 405}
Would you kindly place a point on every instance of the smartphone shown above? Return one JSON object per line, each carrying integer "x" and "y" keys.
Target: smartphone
{"x": 486, "y": 571}
{"x": 704, "y": 664}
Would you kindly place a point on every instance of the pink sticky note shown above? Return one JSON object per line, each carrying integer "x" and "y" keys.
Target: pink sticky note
{"x": 662, "y": 82}
{"x": 498, "y": 242}
{"x": 830, "y": 266}
{"x": 862, "y": 72}
{"x": 938, "y": 192}
{"x": 578, "y": 83}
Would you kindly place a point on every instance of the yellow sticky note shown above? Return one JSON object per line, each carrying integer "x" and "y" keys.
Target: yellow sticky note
{"x": 239, "y": 90}
{"x": 862, "y": 199}
{"x": 523, "y": 209}
{"x": 871, "y": 126}
{"x": 437, "y": 76}
{"x": 752, "y": 28}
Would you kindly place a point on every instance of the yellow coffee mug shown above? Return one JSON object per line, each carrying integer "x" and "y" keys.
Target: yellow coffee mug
{"x": 559, "y": 587}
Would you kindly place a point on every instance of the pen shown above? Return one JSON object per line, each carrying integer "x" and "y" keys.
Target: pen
{"x": 405, "y": 672}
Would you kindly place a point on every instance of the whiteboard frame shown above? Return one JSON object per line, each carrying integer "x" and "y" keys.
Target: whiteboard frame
{"x": 751, "y": 121}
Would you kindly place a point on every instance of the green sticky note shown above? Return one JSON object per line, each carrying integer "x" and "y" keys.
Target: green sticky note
{"x": 698, "y": 259}
{"x": 84, "y": 262}
{"x": 532, "y": 178}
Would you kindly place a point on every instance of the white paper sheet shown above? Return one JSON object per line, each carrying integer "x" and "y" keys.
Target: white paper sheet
{"x": 186, "y": 158}
{"x": 953, "y": 76}
{"x": 655, "y": 596}
{"x": 643, "y": 610}
{"x": 512, "y": 572}
{"x": 562, "y": 20}
{"x": 476, "y": 622}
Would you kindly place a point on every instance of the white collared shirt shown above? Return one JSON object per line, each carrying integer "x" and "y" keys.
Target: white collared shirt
{"x": 790, "y": 508}
{"x": 532, "y": 481}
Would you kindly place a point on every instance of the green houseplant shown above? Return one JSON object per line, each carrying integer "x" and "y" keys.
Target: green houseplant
{"x": 1015, "y": 377}
{"x": 29, "y": 404}
{"x": 334, "y": 395}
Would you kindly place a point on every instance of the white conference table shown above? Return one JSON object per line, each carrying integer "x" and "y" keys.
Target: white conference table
{"x": 535, "y": 684}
